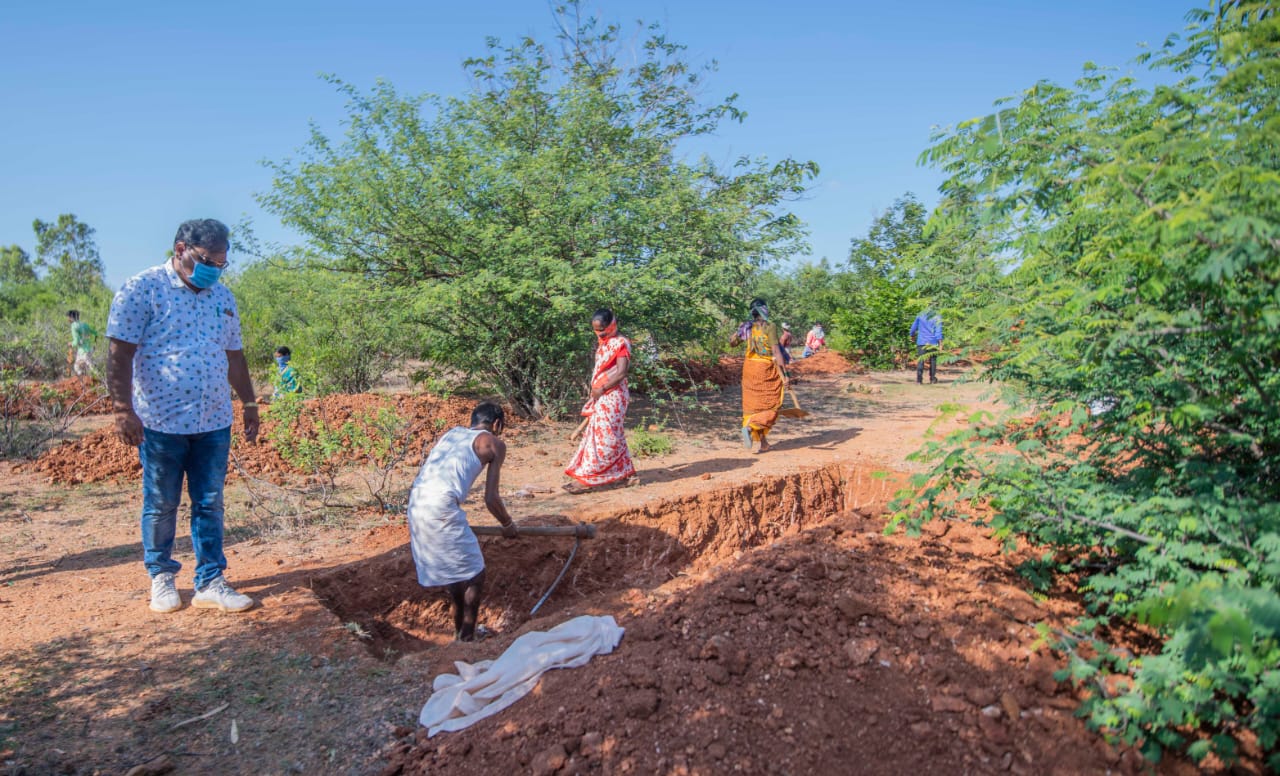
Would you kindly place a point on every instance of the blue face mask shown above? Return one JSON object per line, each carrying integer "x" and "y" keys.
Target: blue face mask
{"x": 204, "y": 276}
{"x": 281, "y": 361}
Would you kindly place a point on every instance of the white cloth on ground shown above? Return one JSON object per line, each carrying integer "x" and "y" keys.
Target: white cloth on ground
{"x": 445, "y": 549}
{"x": 483, "y": 689}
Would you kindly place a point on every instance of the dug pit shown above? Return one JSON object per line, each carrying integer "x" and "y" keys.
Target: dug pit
{"x": 379, "y": 601}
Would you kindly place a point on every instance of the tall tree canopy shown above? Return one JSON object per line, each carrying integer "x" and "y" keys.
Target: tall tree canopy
{"x": 66, "y": 250}
{"x": 1147, "y": 224}
{"x": 555, "y": 186}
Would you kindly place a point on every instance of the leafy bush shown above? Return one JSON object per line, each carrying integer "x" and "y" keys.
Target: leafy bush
{"x": 313, "y": 443}
{"x": 649, "y": 444}
{"x": 1144, "y": 332}
{"x": 18, "y": 435}
{"x": 345, "y": 333}
{"x": 874, "y": 328}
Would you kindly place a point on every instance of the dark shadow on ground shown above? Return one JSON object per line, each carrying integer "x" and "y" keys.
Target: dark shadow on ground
{"x": 97, "y": 558}
{"x": 820, "y": 440}
{"x": 695, "y": 469}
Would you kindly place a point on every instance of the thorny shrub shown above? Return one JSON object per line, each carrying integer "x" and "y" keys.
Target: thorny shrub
{"x": 1145, "y": 337}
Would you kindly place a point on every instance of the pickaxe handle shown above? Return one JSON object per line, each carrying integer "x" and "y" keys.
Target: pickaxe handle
{"x": 581, "y": 530}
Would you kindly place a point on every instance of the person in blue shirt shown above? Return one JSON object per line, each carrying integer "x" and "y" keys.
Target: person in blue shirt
{"x": 287, "y": 380}
{"x": 927, "y": 329}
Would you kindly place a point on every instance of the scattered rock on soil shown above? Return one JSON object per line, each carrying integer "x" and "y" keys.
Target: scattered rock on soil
{"x": 860, "y": 651}
{"x": 549, "y": 761}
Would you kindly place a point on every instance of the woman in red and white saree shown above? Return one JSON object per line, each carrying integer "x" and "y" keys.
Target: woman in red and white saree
{"x": 602, "y": 457}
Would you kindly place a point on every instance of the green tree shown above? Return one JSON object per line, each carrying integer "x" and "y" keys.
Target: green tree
{"x": 1146, "y": 314}
{"x": 555, "y": 186}
{"x": 808, "y": 293}
{"x": 892, "y": 240}
{"x": 872, "y": 326}
{"x": 21, "y": 292}
{"x": 15, "y": 267}
{"x": 66, "y": 251}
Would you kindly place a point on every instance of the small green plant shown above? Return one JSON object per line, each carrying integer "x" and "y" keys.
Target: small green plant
{"x": 432, "y": 384}
{"x": 357, "y": 630}
{"x": 649, "y": 444}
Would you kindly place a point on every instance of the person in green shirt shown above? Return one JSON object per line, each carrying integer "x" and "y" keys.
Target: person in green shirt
{"x": 83, "y": 337}
{"x": 287, "y": 379}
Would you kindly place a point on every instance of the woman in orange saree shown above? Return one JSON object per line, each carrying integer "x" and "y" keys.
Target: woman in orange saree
{"x": 763, "y": 380}
{"x": 602, "y": 457}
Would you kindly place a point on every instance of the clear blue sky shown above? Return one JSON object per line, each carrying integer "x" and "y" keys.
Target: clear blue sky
{"x": 138, "y": 115}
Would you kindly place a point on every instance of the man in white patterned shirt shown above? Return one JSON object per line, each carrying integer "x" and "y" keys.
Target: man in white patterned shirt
{"x": 174, "y": 335}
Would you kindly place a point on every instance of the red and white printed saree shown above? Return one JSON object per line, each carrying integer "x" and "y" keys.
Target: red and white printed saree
{"x": 602, "y": 457}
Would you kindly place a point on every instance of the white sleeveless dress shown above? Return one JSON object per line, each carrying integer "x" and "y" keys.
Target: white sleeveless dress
{"x": 445, "y": 550}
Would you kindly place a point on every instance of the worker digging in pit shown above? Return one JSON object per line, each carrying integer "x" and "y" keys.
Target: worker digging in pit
{"x": 445, "y": 549}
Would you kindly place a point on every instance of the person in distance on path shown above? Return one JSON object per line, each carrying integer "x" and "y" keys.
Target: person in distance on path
{"x": 82, "y": 338}
{"x": 814, "y": 341}
{"x": 446, "y": 552}
{"x": 927, "y": 329}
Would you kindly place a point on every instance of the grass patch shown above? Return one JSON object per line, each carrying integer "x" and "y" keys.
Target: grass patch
{"x": 648, "y": 444}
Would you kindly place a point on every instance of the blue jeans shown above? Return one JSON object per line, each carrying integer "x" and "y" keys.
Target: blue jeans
{"x": 166, "y": 459}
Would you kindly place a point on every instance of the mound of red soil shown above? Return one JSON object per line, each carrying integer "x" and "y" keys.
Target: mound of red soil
{"x": 833, "y": 650}
{"x": 727, "y": 370}
{"x": 763, "y": 635}
{"x": 101, "y": 456}
{"x": 825, "y": 362}
{"x": 72, "y": 396}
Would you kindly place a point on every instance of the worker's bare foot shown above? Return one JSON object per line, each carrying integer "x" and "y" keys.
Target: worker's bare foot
{"x": 575, "y": 488}
{"x": 764, "y": 447}
{"x": 479, "y": 633}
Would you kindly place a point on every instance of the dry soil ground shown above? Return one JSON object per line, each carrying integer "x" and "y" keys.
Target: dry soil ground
{"x": 771, "y": 627}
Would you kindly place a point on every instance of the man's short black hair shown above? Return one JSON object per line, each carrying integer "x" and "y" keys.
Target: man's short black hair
{"x": 284, "y": 350}
{"x": 204, "y": 233}
{"x": 73, "y": 315}
{"x": 487, "y": 413}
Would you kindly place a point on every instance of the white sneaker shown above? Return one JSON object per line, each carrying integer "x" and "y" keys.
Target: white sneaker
{"x": 164, "y": 594}
{"x": 219, "y": 595}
